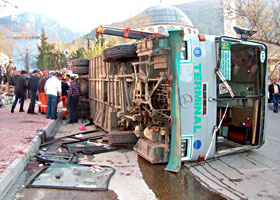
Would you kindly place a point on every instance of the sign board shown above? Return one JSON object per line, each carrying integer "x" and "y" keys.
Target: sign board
{"x": 224, "y": 131}
{"x": 225, "y": 64}
{"x": 223, "y": 88}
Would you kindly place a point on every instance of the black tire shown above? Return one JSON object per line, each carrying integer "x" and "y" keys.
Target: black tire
{"x": 86, "y": 107}
{"x": 84, "y": 88}
{"x": 79, "y": 107}
{"x": 122, "y": 137}
{"x": 77, "y": 66}
{"x": 80, "y": 70}
{"x": 80, "y": 62}
{"x": 83, "y": 106}
{"x": 84, "y": 114}
{"x": 84, "y": 99}
{"x": 81, "y": 81}
{"x": 119, "y": 52}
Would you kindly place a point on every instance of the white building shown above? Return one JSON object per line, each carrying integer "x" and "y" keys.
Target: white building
{"x": 160, "y": 18}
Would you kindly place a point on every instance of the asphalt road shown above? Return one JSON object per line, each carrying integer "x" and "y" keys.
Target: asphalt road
{"x": 250, "y": 175}
{"x": 134, "y": 179}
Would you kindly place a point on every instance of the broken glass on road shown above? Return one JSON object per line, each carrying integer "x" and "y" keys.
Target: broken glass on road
{"x": 50, "y": 157}
{"x": 88, "y": 147}
{"x": 73, "y": 176}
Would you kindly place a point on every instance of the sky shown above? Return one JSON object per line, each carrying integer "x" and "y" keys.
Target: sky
{"x": 83, "y": 15}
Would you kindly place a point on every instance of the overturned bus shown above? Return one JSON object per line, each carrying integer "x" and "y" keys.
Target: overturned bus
{"x": 180, "y": 97}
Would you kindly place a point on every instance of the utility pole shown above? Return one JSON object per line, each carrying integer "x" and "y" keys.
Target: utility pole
{"x": 26, "y": 59}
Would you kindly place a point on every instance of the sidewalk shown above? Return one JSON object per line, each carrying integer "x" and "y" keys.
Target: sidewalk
{"x": 18, "y": 140}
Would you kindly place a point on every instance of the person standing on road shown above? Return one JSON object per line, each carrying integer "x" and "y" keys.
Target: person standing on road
{"x": 73, "y": 96}
{"x": 1, "y": 74}
{"x": 64, "y": 88}
{"x": 41, "y": 92}
{"x": 16, "y": 75}
{"x": 32, "y": 86}
{"x": 52, "y": 90}
{"x": 274, "y": 90}
{"x": 4, "y": 76}
{"x": 10, "y": 72}
{"x": 21, "y": 86}
{"x": 27, "y": 79}
{"x": 68, "y": 79}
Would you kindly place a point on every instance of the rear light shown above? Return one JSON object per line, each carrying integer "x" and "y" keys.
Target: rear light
{"x": 201, "y": 37}
{"x": 155, "y": 128}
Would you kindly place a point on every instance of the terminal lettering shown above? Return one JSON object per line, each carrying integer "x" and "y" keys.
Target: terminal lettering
{"x": 197, "y": 98}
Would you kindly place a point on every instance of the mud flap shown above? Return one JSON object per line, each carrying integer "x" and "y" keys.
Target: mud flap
{"x": 174, "y": 163}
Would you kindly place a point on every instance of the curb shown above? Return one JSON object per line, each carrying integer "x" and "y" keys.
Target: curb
{"x": 12, "y": 172}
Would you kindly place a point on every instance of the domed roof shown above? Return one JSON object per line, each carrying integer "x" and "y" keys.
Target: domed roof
{"x": 163, "y": 14}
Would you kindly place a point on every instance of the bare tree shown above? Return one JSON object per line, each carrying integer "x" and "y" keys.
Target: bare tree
{"x": 26, "y": 53}
{"x": 260, "y": 15}
{"x": 5, "y": 3}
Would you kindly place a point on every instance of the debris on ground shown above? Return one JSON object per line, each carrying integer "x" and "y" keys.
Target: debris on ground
{"x": 88, "y": 147}
{"x": 50, "y": 157}
{"x": 64, "y": 171}
{"x": 66, "y": 175}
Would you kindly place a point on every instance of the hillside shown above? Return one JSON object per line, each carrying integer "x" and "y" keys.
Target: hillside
{"x": 35, "y": 22}
{"x": 205, "y": 15}
{"x": 13, "y": 29}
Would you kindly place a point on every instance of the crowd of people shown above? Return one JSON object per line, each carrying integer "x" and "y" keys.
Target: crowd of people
{"x": 47, "y": 89}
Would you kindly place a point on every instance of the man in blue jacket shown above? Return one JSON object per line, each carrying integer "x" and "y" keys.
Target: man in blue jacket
{"x": 32, "y": 85}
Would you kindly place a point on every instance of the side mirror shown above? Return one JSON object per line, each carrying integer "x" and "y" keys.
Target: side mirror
{"x": 245, "y": 34}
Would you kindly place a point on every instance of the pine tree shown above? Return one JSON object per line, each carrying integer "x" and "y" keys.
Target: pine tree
{"x": 43, "y": 60}
{"x": 43, "y": 40}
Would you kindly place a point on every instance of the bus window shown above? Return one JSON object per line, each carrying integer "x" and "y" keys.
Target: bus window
{"x": 185, "y": 51}
{"x": 244, "y": 74}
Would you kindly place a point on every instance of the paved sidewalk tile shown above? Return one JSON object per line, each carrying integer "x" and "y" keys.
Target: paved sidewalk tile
{"x": 17, "y": 130}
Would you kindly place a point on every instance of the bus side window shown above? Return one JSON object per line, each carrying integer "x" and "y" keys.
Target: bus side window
{"x": 184, "y": 51}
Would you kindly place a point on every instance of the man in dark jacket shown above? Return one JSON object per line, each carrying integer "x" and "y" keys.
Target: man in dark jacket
{"x": 21, "y": 86}
{"x": 73, "y": 96}
{"x": 274, "y": 91}
{"x": 32, "y": 85}
{"x": 64, "y": 89}
{"x": 41, "y": 93}
{"x": 16, "y": 75}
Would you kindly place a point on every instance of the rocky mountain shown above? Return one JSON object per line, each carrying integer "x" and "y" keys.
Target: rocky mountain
{"x": 14, "y": 29}
{"x": 207, "y": 16}
{"x": 34, "y": 23}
